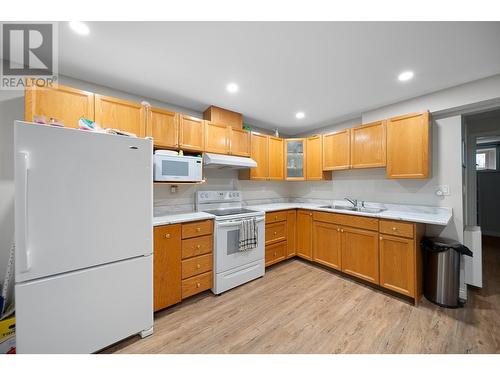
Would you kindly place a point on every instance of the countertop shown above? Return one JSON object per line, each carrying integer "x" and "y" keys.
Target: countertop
{"x": 183, "y": 217}
{"x": 412, "y": 213}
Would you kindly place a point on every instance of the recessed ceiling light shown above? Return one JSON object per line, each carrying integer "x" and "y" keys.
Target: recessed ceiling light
{"x": 79, "y": 27}
{"x": 406, "y": 76}
{"x": 232, "y": 87}
{"x": 300, "y": 115}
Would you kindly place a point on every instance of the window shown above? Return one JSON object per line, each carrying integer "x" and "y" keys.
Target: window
{"x": 486, "y": 159}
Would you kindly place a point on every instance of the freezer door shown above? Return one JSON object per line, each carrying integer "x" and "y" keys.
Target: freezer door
{"x": 85, "y": 311}
{"x": 82, "y": 199}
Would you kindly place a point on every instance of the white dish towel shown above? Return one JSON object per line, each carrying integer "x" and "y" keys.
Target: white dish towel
{"x": 248, "y": 234}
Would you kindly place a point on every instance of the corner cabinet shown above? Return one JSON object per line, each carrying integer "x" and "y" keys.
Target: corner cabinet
{"x": 295, "y": 154}
{"x": 408, "y": 146}
{"x": 62, "y": 103}
{"x": 314, "y": 163}
{"x": 336, "y": 150}
{"x": 368, "y": 145}
{"x": 267, "y": 151}
{"x": 304, "y": 234}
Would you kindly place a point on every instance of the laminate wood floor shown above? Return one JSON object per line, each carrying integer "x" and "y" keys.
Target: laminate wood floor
{"x": 298, "y": 307}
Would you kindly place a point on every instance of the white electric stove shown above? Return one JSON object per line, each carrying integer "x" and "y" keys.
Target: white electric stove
{"x": 232, "y": 267}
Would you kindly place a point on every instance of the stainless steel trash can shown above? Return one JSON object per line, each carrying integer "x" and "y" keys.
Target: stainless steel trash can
{"x": 442, "y": 270}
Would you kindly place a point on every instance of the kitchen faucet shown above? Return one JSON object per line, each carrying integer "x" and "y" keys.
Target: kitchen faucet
{"x": 352, "y": 201}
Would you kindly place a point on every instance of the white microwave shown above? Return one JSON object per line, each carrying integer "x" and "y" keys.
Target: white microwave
{"x": 177, "y": 168}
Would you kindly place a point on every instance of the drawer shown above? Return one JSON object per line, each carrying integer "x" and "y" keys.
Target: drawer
{"x": 275, "y": 232}
{"x": 274, "y": 217}
{"x": 397, "y": 228}
{"x": 354, "y": 221}
{"x": 196, "y": 284}
{"x": 197, "y": 265}
{"x": 197, "y": 246}
{"x": 197, "y": 228}
{"x": 275, "y": 253}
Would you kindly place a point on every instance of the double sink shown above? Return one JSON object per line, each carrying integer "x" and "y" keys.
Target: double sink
{"x": 355, "y": 209}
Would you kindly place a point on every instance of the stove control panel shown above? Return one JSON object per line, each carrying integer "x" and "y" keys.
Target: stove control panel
{"x": 218, "y": 196}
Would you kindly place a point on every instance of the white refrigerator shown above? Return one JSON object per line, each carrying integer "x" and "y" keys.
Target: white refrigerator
{"x": 83, "y": 232}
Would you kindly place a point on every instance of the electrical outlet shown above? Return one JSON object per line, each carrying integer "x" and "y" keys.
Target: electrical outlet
{"x": 443, "y": 190}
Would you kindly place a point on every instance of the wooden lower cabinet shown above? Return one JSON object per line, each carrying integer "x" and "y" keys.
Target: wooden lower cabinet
{"x": 167, "y": 266}
{"x": 327, "y": 244}
{"x": 304, "y": 234}
{"x": 397, "y": 264}
{"x": 360, "y": 254}
{"x": 182, "y": 262}
{"x": 291, "y": 222}
{"x": 275, "y": 253}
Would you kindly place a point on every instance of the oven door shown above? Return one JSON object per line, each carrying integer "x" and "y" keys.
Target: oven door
{"x": 227, "y": 254}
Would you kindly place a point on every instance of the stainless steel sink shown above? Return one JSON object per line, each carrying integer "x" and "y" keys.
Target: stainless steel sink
{"x": 368, "y": 210}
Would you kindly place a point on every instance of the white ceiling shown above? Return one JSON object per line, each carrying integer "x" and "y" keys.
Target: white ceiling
{"x": 332, "y": 71}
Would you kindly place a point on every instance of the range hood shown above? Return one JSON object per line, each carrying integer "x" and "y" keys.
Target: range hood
{"x": 227, "y": 161}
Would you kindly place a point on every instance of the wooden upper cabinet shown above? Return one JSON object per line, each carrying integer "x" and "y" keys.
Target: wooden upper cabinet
{"x": 360, "y": 255}
{"x": 259, "y": 153}
{"x": 239, "y": 142}
{"x": 276, "y": 159}
{"x": 304, "y": 234}
{"x": 191, "y": 133}
{"x": 327, "y": 244}
{"x": 314, "y": 162}
{"x": 408, "y": 146}
{"x": 62, "y": 103}
{"x": 163, "y": 126}
{"x": 167, "y": 265}
{"x": 216, "y": 138}
{"x": 120, "y": 114}
{"x": 397, "y": 264}
{"x": 368, "y": 145}
{"x": 295, "y": 156}
{"x": 336, "y": 150}
{"x": 223, "y": 116}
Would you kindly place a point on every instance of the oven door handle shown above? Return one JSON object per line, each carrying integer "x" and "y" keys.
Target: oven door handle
{"x": 236, "y": 223}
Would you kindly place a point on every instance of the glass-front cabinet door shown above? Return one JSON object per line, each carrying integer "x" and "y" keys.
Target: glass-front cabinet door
{"x": 295, "y": 154}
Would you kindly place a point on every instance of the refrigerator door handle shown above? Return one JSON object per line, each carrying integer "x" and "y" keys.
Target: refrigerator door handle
{"x": 22, "y": 167}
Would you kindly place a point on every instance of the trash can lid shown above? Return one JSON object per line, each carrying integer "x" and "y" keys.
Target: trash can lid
{"x": 438, "y": 244}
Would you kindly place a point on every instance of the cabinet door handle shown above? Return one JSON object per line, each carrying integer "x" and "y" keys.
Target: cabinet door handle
{"x": 198, "y": 285}
{"x": 275, "y": 233}
{"x": 276, "y": 218}
{"x": 381, "y": 238}
{"x": 198, "y": 266}
{"x": 275, "y": 254}
{"x": 310, "y": 214}
{"x": 342, "y": 230}
{"x": 167, "y": 235}
{"x": 198, "y": 247}
{"x": 394, "y": 228}
{"x": 338, "y": 229}
{"x": 198, "y": 229}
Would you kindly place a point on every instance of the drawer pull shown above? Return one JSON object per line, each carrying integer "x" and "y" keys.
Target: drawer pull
{"x": 275, "y": 233}
{"x": 276, "y": 218}
{"x": 394, "y": 228}
{"x": 198, "y": 229}
{"x": 167, "y": 236}
{"x": 198, "y": 285}
{"x": 338, "y": 229}
{"x": 342, "y": 230}
{"x": 381, "y": 238}
{"x": 198, "y": 266}
{"x": 198, "y": 247}
{"x": 310, "y": 214}
{"x": 275, "y": 253}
